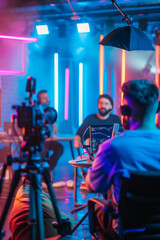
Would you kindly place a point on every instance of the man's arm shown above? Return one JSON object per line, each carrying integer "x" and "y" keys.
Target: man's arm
{"x": 80, "y": 132}
{"x": 55, "y": 129}
{"x": 77, "y": 141}
{"x": 99, "y": 176}
{"x": 88, "y": 185}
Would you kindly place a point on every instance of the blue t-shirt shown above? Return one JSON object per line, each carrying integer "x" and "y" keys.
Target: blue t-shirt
{"x": 137, "y": 150}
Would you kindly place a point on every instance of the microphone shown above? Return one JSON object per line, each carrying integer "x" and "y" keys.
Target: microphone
{"x": 115, "y": 130}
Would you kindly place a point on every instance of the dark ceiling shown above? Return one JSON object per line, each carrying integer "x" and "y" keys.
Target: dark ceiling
{"x": 147, "y": 11}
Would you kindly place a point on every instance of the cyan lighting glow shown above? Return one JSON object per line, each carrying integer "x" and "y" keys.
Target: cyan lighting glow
{"x": 66, "y": 104}
{"x": 42, "y": 29}
{"x": 28, "y": 39}
{"x": 83, "y": 27}
{"x": 14, "y": 72}
{"x": 101, "y": 67}
{"x": 56, "y": 81}
{"x": 80, "y": 93}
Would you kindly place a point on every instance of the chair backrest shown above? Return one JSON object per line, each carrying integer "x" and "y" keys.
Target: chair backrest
{"x": 139, "y": 206}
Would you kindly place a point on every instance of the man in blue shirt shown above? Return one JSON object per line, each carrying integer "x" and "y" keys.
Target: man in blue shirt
{"x": 136, "y": 148}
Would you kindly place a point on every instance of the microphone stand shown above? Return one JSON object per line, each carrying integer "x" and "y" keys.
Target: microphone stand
{"x": 90, "y": 154}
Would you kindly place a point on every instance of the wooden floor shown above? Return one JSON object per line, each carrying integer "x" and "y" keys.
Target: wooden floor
{"x": 64, "y": 197}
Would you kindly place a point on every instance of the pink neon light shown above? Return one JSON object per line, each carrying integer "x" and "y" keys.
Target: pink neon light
{"x": 28, "y": 39}
{"x": 11, "y": 72}
{"x": 66, "y": 93}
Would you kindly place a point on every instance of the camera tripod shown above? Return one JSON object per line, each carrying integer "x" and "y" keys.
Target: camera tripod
{"x": 34, "y": 170}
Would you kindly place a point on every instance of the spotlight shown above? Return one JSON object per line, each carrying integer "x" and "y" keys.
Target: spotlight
{"x": 83, "y": 27}
{"x": 42, "y": 29}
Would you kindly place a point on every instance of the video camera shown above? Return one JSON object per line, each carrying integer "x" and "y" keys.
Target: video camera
{"x": 35, "y": 120}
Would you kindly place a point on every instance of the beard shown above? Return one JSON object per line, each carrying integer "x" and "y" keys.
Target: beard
{"x": 104, "y": 113}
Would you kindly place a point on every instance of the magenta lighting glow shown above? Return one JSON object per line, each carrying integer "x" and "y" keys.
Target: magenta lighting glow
{"x": 28, "y": 39}
{"x": 23, "y": 39}
{"x": 66, "y": 104}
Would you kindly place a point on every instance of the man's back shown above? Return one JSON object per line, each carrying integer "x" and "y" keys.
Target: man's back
{"x": 138, "y": 149}
{"x": 133, "y": 150}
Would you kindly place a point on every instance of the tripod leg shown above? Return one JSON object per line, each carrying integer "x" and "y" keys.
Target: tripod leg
{"x": 32, "y": 212}
{"x": 36, "y": 183}
{"x": 2, "y": 177}
{"x": 13, "y": 187}
{"x": 53, "y": 197}
{"x": 79, "y": 223}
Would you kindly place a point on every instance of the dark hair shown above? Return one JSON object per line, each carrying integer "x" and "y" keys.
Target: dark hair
{"x": 143, "y": 91}
{"x": 108, "y": 97}
{"x": 38, "y": 94}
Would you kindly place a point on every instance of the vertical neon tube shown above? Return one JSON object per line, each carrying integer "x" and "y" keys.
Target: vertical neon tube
{"x": 157, "y": 75}
{"x": 80, "y": 93}
{"x": 123, "y": 69}
{"x": 66, "y": 104}
{"x": 101, "y": 67}
{"x": 157, "y": 66}
{"x": 56, "y": 81}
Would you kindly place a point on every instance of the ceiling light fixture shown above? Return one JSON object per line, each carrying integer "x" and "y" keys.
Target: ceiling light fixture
{"x": 83, "y": 27}
{"x": 75, "y": 16}
{"x": 42, "y": 29}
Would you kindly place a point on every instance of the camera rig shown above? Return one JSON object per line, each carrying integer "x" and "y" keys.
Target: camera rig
{"x": 35, "y": 121}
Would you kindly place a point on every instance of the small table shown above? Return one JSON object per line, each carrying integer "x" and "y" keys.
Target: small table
{"x": 83, "y": 163}
{"x": 19, "y": 139}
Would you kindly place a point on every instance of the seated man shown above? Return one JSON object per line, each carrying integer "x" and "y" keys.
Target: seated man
{"x": 136, "y": 149}
{"x": 104, "y": 117}
{"x": 19, "y": 216}
{"x": 55, "y": 148}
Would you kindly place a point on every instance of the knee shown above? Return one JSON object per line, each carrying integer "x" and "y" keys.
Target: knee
{"x": 61, "y": 148}
{"x": 58, "y": 148}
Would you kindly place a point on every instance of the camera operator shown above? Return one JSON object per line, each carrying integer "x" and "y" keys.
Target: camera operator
{"x": 55, "y": 148}
{"x": 137, "y": 149}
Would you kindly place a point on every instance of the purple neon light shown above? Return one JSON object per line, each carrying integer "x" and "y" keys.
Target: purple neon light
{"x": 28, "y": 39}
{"x": 66, "y": 93}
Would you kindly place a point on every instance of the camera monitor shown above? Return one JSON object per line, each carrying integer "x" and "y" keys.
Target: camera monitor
{"x": 99, "y": 134}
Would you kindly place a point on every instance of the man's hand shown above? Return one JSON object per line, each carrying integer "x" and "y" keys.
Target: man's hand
{"x": 55, "y": 128}
{"x": 77, "y": 141}
{"x": 55, "y": 136}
